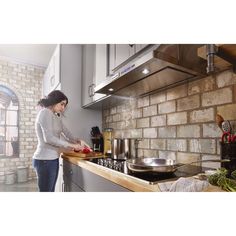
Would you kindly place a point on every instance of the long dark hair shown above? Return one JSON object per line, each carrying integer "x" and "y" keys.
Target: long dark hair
{"x": 53, "y": 98}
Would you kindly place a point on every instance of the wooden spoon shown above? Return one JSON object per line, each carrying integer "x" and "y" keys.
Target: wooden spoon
{"x": 219, "y": 120}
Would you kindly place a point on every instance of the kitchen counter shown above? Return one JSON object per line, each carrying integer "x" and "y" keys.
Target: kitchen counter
{"x": 126, "y": 181}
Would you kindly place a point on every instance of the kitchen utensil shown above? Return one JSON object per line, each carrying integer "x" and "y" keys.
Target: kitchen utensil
{"x": 158, "y": 165}
{"x": 228, "y": 151}
{"x": 121, "y": 148}
{"x": 219, "y": 119}
{"x": 226, "y": 127}
{"x": 228, "y": 137}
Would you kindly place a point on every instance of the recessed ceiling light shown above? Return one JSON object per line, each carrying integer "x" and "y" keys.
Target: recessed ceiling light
{"x": 111, "y": 89}
{"x": 145, "y": 71}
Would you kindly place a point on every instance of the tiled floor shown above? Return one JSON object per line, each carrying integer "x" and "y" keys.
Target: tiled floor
{"x": 29, "y": 186}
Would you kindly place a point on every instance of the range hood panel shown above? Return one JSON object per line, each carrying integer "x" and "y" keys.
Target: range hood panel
{"x": 167, "y": 65}
{"x": 164, "y": 78}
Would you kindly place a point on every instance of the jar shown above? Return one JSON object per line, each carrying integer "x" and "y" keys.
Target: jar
{"x": 107, "y": 137}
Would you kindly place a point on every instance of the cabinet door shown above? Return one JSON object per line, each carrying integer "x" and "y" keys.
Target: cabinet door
{"x": 88, "y": 67}
{"x": 70, "y": 186}
{"x": 51, "y": 78}
{"x": 112, "y": 56}
{"x": 59, "y": 183}
{"x": 100, "y": 63}
{"x": 46, "y": 85}
{"x": 57, "y": 63}
{"x": 122, "y": 53}
{"x": 100, "y": 68}
{"x": 119, "y": 53}
{"x": 91, "y": 182}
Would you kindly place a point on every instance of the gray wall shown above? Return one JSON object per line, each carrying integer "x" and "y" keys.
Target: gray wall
{"x": 78, "y": 120}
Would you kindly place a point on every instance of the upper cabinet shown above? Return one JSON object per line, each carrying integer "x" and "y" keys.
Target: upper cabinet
{"x": 120, "y": 53}
{"x": 123, "y": 52}
{"x": 51, "y": 78}
{"x": 94, "y": 71}
{"x": 88, "y": 65}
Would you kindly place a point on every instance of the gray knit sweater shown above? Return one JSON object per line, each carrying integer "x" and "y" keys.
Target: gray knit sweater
{"x": 49, "y": 128}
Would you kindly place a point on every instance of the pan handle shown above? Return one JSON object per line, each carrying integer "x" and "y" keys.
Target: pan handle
{"x": 200, "y": 161}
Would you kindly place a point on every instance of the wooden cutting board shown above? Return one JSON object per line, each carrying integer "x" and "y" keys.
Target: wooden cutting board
{"x": 83, "y": 155}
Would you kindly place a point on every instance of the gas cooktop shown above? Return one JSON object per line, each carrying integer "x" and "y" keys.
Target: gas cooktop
{"x": 151, "y": 177}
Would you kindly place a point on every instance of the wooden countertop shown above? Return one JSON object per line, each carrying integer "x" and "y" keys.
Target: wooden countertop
{"x": 129, "y": 182}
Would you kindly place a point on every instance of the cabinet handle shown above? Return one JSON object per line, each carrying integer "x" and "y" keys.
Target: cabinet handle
{"x": 92, "y": 90}
{"x": 89, "y": 90}
{"x": 71, "y": 172}
{"x": 52, "y": 81}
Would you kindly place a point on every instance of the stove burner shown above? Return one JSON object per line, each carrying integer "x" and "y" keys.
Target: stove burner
{"x": 151, "y": 177}
{"x": 118, "y": 165}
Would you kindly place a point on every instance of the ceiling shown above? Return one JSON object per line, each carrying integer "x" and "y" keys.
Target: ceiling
{"x": 36, "y": 54}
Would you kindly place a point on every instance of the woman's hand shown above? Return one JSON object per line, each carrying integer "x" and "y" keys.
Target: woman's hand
{"x": 84, "y": 145}
{"x": 77, "y": 147}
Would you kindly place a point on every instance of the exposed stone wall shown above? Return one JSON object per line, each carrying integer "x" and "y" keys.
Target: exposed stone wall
{"x": 178, "y": 123}
{"x": 26, "y": 81}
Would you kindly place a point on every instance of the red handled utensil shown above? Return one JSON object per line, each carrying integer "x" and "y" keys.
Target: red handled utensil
{"x": 228, "y": 137}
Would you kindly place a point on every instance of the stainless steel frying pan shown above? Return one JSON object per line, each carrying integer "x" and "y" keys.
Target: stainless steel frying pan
{"x": 154, "y": 164}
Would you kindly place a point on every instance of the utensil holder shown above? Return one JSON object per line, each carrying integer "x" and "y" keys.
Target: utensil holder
{"x": 228, "y": 151}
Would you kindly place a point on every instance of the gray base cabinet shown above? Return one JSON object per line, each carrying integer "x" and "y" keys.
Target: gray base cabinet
{"x": 70, "y": 186}
{"x": 77, "y": 179}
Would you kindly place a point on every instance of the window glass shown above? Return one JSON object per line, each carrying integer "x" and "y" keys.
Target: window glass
{"x": 9, "y": 130}
{"x": 2, "y": 116}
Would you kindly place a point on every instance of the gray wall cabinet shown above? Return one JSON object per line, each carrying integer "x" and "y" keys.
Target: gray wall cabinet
{"x": 94, "y": 71}
{"x": 120, "y": 53}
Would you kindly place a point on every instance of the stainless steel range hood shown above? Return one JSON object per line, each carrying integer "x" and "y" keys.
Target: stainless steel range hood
{"x": 161, "y": 67}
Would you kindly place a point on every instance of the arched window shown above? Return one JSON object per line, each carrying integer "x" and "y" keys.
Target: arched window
{"x": 9, "y": 132}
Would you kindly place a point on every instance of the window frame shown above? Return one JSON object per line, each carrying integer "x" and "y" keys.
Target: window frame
{"x": 14, "y": 143}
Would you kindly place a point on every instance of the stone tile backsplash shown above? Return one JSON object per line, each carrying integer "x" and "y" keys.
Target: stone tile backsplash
{"x": 178, "y": 123}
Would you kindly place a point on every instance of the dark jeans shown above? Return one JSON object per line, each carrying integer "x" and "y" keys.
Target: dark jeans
{"x": 47, "y": 172}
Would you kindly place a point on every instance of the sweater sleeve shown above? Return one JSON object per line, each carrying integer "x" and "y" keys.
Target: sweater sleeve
{"x": 46, "y": 124}
{"x": 68, "y": 135}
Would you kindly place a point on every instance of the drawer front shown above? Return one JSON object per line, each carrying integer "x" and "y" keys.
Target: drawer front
{"x": 70, "y": 186}
{"x": 70, "y": 171}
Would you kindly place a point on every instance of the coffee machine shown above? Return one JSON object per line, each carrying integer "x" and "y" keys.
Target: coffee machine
{"x": 97, "y": 139}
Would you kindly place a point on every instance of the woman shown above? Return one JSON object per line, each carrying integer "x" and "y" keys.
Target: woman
{"x": 49, "y": 127}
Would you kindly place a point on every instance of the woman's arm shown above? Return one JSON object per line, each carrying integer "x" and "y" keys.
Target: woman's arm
{"x": 46, "y": 124}
{"x": 68, "y": 135}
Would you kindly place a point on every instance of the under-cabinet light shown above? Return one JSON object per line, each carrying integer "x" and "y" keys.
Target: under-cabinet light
{"x": 145, "y": 71}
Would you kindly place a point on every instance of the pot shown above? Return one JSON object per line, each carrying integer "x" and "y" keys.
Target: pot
{"x": 121, "y": 148}
{"x": 154, "y": 164}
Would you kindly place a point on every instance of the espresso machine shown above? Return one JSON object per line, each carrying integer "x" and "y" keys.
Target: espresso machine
{"x": 97, "y": 139}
